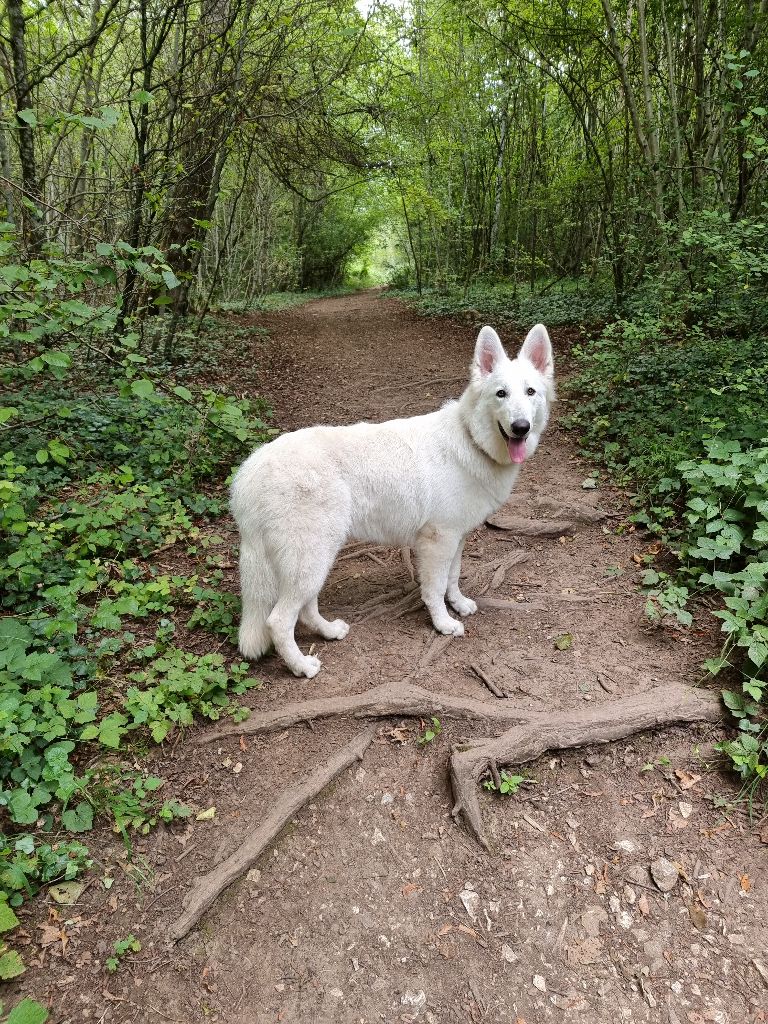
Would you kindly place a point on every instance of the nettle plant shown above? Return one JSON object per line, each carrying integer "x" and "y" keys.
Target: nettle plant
{"x": 725, "y": 547}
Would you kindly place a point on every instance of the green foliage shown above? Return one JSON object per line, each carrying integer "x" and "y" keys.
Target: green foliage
{"x": 725, "y": 547}
{"x": 51, "y": 307}
{"x": 217, "y": 611}
{"x": 104, "y": 459}
{"x": 28, "y": 1011}
{"x": 674, "y": 399}
{"x": 138, "y": 806}
{"x": 122, "y": 948}
{"x": 430, "y": 732}
{"x": 27, "y": 863}
{"x": 509, "y": 785}
{"x": 179, "y": 684}
{"x": 516, "y": 306}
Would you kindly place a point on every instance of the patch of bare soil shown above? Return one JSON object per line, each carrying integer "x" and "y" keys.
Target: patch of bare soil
{"x": 616, "y": 886}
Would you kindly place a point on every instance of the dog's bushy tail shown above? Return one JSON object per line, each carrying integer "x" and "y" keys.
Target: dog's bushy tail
{"x": 258, "y": 585}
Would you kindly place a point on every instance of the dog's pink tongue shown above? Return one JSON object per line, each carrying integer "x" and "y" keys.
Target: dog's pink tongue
{"x": 516, "y": 448}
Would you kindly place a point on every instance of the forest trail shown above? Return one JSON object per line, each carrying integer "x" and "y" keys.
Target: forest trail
{"x": 373, "y": 904}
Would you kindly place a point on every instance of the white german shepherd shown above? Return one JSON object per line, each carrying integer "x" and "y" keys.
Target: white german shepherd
{"x": 422, "y": 482}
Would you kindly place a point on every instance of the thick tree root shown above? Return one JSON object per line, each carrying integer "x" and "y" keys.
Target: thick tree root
{"x": 390, "y": 699}
{"x": 208, "y": 887}
{"x": 530, "y": 527}
{"x": 612, "y": 720}
{"x": 533, "y": 735}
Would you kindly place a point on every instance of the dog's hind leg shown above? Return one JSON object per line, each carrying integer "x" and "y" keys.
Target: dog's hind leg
{"x": 282, "y": 622}
{"x": 463, "y": 605}
{"x": 435, "y": 552}
{"x": 310, "y": 616}
{"x": 303, "y": 565}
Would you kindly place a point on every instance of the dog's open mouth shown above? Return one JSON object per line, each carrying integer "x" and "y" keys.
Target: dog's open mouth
{"x": 515, "y": 446}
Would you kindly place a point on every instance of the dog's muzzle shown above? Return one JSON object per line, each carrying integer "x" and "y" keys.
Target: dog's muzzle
{"x": 515, "y": 441}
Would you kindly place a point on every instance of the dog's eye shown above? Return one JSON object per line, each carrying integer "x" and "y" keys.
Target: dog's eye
{"x": 530, "y": 391}
{"x": 501, "y": 393}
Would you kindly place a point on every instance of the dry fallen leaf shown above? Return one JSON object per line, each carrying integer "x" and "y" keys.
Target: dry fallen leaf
{"x": 66, "y": 893}
{"x": 642, "y": 905}
{"x": 53, "y": 934}
{"x": 601, "y": 881}
{"x": 398, "y": 735}
{"x": 746, "y": 884}
{"x": 676, "y": 820}
{"x": 687, "y": 780}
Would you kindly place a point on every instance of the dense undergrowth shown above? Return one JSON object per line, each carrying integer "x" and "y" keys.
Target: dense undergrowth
{"x": 670, "y": 398}
{"x": 111, "y": 464}
{"x": 562, "y": 303}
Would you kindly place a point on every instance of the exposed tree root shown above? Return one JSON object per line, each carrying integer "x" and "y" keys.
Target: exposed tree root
{"x": 409, "y": 596}
{"x": 208, "y": 887}
{"x": 576, "y": 513}
{"x": 543, "y": 731}
{"x": 437, "y": 646}
{"x": 405, "y": 554}
{"x": 534, "y": 734}
{"x": 530, "y": 527}
{"x": 510, "y": 606}
{"x": 401, "y": 699}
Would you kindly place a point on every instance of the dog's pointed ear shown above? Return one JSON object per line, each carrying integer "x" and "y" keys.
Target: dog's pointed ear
{"x": 488, "y": 351}
{"x": 538, "y": 349}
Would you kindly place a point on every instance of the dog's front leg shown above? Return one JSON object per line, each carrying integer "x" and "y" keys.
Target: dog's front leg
{"x": 463, "y": 605}
{"x": 435, "y": 552}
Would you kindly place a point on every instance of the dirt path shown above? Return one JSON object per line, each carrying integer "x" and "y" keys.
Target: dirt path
{"x": 373, "y": 905}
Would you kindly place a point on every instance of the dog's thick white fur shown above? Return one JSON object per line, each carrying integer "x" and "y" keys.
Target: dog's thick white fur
{"x": 422, "y": 482}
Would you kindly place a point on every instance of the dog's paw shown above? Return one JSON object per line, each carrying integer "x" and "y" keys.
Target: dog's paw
{"x": 336, "y": 630}
{"x": 308, "y": 666}
{"x": 450, "y": 627}
{"x": 463, "y": 605}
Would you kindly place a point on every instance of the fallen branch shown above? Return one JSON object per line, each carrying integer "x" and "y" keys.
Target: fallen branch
{"x": 402, "y": 699}
{"x": 484, "y": 678}
{"x": 208, "y": 887}
{"x": 612, "y": 720}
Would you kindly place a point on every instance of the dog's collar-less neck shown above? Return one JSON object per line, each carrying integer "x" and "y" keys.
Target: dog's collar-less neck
{"x": 478, "y": 447}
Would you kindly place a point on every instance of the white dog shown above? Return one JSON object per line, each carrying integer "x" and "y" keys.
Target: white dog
{"x": 422, "y": 482}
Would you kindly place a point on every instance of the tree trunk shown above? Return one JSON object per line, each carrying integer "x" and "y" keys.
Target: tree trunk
{"x": 33, "y": 225}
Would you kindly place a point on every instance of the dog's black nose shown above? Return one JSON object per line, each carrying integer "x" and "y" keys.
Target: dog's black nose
{"x": 520, "y": 428}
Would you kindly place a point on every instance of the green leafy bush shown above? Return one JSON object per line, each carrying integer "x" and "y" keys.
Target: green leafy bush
{"x": 673, "y": 399}
{"x": 106, "y": 458}
{"x": 569, "y": 303}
